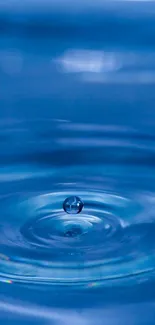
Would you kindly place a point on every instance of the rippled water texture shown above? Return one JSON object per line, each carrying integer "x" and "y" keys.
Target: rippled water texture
{"x": 77, "y": 119}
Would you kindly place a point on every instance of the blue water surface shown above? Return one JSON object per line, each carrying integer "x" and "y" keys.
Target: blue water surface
{"x": 77, "y": 118}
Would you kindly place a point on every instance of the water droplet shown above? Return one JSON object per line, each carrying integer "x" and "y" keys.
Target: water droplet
{"x": 73, "y": 205}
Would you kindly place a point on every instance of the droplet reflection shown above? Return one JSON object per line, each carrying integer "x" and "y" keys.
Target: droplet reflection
{"x": 73, "y": 205}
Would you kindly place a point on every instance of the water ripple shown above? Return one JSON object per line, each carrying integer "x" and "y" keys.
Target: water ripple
{"x": 113, "y": 236}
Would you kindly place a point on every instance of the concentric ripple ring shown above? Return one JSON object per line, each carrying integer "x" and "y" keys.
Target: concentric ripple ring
{"x": 45, "y": 245}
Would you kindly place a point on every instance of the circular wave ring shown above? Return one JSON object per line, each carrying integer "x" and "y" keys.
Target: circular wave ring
{"x": 107, "y": 241}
